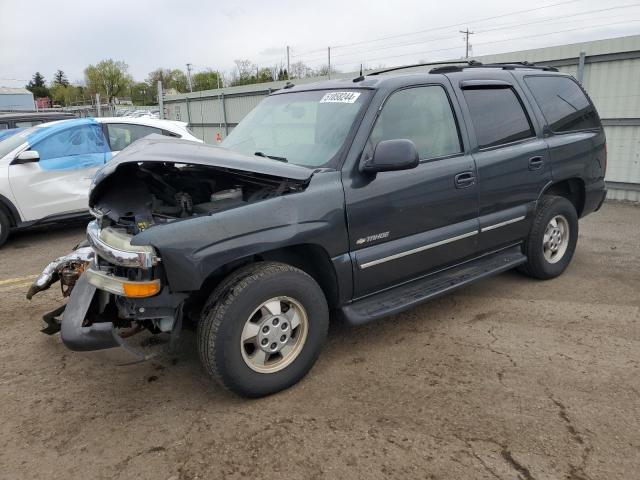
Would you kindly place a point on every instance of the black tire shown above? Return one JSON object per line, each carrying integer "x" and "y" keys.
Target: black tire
{"x": 537, "y": 266}
{"x": 231, "y": 305}
{"x": 5, "y": 225}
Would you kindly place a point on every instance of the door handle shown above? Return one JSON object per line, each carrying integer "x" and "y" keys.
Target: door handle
{"x": 535, "y": 163}
{"x": 465, "y": 179}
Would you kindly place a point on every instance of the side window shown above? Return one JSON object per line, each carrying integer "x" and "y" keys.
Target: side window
{"x": 563, "y": 103}
{"x": 62, "y": 150}
{"x": 422, "y": 115}
{"x": 28, "y": 123}
{"x": 497, "y": 116}
{"x": 121, "y": 135}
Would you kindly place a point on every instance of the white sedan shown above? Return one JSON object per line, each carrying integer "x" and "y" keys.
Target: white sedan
{"x": 45, "y": 171}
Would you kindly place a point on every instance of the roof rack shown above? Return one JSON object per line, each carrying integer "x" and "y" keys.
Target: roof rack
{"x": 469, "y": 63}
{"x": 503, "y": 66}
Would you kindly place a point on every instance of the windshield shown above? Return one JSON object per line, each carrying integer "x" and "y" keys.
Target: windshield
{"x": 305, "y": 128}
{"x": 8, "y": 144}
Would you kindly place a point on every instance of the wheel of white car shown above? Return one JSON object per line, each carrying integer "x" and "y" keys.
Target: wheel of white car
{"x": 265, "y": 330}
{"x": 5, "y": 225}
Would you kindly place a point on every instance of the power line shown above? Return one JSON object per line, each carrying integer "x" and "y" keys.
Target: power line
{"x": 440, "y": 28}
{"x": 492, "y": 42}
{"x": 459, "y": 24}
{"x": 434, "y": 39}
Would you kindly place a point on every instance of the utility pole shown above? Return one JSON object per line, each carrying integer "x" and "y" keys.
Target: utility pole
{"x": 189, "y": 65}
{"x": 466, "y": 35}
{"x": 288, "y": 66}
{"x": 329, "y": 62}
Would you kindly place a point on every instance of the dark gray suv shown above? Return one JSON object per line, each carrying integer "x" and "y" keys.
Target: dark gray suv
{"x": 363, "y": 197}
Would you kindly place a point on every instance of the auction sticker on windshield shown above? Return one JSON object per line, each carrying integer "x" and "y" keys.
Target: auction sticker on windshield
{"x": 340, "y": 97}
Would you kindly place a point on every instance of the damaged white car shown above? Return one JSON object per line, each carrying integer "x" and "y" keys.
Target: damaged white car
{"x": 45, "y": 170}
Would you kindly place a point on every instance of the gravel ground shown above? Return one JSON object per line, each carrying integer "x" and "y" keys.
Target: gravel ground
{"x": 509, "y": 378}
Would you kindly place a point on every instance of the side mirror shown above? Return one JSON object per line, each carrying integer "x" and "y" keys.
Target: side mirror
{"x": 390, "y": 155}
{"x": 28, "y": 156}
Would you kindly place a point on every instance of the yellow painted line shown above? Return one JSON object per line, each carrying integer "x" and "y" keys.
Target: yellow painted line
{"x": 18, "y": 279}
{"x": 16, "y": 286}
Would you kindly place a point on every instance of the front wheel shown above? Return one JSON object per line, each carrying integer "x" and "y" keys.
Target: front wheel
{"x": 5, "y": 224}
{"x": 552, "y": 240}
{"x": 263, "y": 329}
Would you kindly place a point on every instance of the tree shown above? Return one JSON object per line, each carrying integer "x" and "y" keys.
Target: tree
{"x": 37, "y": 86}
{"x": 108, "y": 77}
{"x": 175, "y": 78}
{"x": 323, "y": 71}
{"x": 60, "y": 79}
{"x": 246, "y": 73}
{"x": 207, "y": 80}
{"x": 65, "y": 94}
{"x": 300, "y": 70}
{"x": 141, "y": 94}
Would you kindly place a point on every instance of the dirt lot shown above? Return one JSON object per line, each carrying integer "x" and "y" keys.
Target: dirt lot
{"x": 510, "y": 378}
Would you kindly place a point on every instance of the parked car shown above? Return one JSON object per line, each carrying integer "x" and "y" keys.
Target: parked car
{"x": 12, "y": 120}
{"x": 12, "y": 123}
{"x": 364, "y": 196}
{"x": 45, "y": 170}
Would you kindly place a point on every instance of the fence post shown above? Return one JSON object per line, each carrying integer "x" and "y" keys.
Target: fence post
{"x": 581, "y": 66}
{"x": 160, "y": 100}
{"x": 98, "y": 106}
{"x": 224, "y": 115}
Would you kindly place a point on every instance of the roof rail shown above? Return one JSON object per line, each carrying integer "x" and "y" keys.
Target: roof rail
{"x": 503, "y": 66}
{"x": 469, "y": 63}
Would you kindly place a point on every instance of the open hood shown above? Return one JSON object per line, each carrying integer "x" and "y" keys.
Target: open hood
{"x": 162, "y": 149}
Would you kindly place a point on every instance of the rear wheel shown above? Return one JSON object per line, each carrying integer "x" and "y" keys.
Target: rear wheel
{"x": 264, "y": 329}
{"x": 552, "y": 240}
{"x": 5, "y": 225}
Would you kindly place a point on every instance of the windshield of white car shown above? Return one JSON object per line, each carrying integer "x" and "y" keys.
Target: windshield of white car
{"x": 305, "y": 128}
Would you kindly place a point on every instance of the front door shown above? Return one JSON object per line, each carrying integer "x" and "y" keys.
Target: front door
{"x": 408, "y": 223}
{"x": 59, "y": 182}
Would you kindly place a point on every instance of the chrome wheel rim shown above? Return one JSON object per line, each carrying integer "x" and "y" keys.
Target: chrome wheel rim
{"x": 274, "y": 334}
{"x": 556, "y": 239}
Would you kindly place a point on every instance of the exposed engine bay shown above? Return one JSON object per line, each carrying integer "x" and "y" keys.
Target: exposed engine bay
{"x": 136, "y": 197}
{"x": 142, "y": 195}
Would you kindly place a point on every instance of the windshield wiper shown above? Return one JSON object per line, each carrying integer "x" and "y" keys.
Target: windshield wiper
{"x": 272, "y": 157}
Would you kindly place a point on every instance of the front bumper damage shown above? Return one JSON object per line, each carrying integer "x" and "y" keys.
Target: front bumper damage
{"x": 105, "y": 307}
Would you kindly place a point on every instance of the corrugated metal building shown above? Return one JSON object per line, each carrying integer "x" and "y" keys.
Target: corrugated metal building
{"x": 16, "y": 99}
{"x": 608, "y": 69}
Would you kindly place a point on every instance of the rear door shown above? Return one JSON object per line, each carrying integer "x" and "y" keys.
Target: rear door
{"x": 405, "y": 224}
{"x": 511, "y": 158}
{"x": 59, "y": 182}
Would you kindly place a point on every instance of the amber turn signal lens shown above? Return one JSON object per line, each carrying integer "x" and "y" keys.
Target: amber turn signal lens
{"x": 141, "y": 289}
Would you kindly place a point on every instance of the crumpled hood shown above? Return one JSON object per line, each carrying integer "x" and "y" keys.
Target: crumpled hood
{"x": 160, "y": 148}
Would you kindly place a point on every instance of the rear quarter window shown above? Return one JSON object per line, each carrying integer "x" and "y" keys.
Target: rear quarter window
{"x": 563, "y": 103}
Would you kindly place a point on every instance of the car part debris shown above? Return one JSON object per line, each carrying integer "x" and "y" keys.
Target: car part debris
{"x": 67, "y": 269}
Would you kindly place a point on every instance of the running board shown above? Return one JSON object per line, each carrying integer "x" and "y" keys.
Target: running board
{"x": 397, "y": 299}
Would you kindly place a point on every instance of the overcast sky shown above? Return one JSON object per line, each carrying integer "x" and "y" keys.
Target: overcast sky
{"x": 38, "y": 35}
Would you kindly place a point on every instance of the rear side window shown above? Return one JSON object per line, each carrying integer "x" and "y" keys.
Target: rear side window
{"x": 498, "y": 116}
{"x": 563, "y": 103}
{"x": 28, "y": 123}
{"x": 121, "y": 135}
{"x": 422, "y": 115}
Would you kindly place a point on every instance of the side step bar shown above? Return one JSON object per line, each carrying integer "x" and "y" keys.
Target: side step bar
{"x": 397, "y": 299}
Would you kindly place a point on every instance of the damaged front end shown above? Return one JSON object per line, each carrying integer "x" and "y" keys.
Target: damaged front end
{"x": 117, "y": 288}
